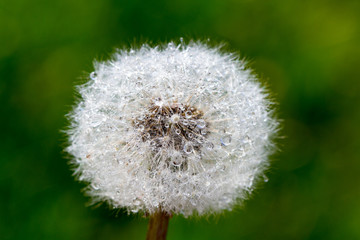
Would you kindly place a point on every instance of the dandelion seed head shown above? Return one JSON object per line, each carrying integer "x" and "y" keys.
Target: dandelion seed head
{"x": 184, "y": 128}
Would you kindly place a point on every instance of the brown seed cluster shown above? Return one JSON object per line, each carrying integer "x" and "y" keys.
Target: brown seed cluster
{"x": 172, "y": 126}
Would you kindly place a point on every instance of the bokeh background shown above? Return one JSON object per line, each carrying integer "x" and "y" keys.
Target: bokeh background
{"x": 306, "y": 50}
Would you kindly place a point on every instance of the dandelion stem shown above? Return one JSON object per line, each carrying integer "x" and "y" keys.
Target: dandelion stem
{"x": 158, "y": 225}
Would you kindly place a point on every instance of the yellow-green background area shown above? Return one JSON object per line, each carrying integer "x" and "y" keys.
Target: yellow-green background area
{"x": 306, "y": 50}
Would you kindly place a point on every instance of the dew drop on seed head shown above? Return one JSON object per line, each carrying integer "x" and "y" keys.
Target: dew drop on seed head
{"x": 171, "y": 45}
{"x": 188, "y": 114}
{"x": 188, "y": 148}
{"x": 93, "y": 75}
{"x": 177, "y": 131}
{"x": 226, "y": 140}
{"x": 201, "y": 123}
{"x": 266, "y": 179}
{"x": 159, "y": 102}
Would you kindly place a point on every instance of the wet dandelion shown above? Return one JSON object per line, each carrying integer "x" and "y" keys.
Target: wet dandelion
{"x": 183, "y": 129}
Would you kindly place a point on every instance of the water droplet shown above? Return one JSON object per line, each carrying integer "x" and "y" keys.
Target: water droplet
{"x": 246, "y": 139}
{"x": 159, "y": 102}
{"x": 177, "y": 131}
{"x": 201, "y": 123}
{"x": 185, "y": 122}
{"x": 190, "y": 135}
{"x": 226, "y": 140}
{"x": 94, "y": 186}
{"x": 176, "y": 163}
{"x": 167, "y": 125}
{"x": 266, "y": 179}
{"x": 93, "y": 75}
{"x": 171, "y": 45}
{"x": 188, "y": 148}
{"x": 188, "y": 114}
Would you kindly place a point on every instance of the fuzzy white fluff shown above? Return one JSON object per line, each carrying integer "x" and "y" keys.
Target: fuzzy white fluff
{"x": 141, "y": 165}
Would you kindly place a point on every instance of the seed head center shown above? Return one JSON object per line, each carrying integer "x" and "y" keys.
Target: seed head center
{"x": 172, "y": 126}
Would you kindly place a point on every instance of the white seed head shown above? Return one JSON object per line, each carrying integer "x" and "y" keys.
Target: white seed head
{"x": 184, "y": 128}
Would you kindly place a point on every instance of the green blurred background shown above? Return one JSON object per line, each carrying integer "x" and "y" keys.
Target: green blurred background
{"x": 307, "y": 51}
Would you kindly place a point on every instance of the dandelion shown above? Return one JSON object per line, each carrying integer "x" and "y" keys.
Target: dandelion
{"x": 179, "y": 129}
